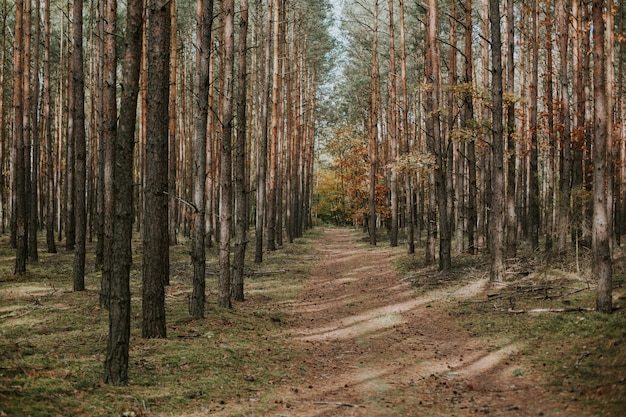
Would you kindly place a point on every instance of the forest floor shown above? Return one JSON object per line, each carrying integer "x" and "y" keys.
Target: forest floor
{"x": 374, "y": 345}
{"x": 331, "y": 327}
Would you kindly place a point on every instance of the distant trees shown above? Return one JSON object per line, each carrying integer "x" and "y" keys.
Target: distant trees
{"x": 503, "y": 140}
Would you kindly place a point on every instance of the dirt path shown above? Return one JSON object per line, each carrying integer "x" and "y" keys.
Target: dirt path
{"x": 371, "y": 347}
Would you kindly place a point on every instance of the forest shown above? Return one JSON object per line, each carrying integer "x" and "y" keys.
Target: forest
{"x": 139, "y": 136}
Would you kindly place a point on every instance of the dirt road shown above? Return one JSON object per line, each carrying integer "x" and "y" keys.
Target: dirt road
{"x": 372, "y": 347}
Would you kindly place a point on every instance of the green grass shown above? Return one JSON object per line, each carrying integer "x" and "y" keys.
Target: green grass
{"x": 53, "y": 340}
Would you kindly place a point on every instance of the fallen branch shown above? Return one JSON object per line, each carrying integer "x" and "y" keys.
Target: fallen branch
{"x": 551, "y": 310}
{"x": 335, "y": 403}
{"x": 263, "y": 273}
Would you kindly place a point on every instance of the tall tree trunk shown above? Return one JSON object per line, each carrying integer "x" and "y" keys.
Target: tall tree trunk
{"x": 410, "y": 238}
{"x": 393, "y": 129}
{"x": 27, "y": 114}
{"x": 109, "y": 132}
{"x": 566, "y": 142}
{"x": 116, "y": 363}
{"x": 511, "y": 212}
{"x": 33, "y": 217}
{"x": 224, "y": 290}
{"x": 80, "y": 147}
{"x": 172, "y": 226}
{"x": 155, "y": 266}
{"x": 272, "y": 184}
{"x": 602, "y": 268}
{"x": 550, "y": 160}
{"x": 204, "y": 27}
{"x": 47, "y": 133}
{"x": 533, "y": 180}
{"x": 496, "y": 234}
{"x": 240, "y": 159}
{"x": 373, "y": 132}
{"x": 19, "y": 173}
{"x": 261, "y": 185}
{"x": 468, "y": 121}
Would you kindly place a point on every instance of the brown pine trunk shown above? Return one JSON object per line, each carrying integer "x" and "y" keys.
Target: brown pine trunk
{"x": 533, "y": 179}
{"x": 373, "y": 132}
{"x": 204, "y": 26}
{"x": 496, "y": 235}
{"x": 47, "y": 129}
{"x": 224, "y": 286}
{"x": 116, "y": 362}
{"x": 155, "y": 265}
{"x": 261, "y": 185}
{"x": 566, "y": 142}
{"x": 601, "y": 226}
{"x": 33, "y": 217}
{"x": 80, "y": 148}
{"x": 240, "y": 159}
{"x": 19, "y": 173}
{"x": 392, "y": 129}
{"x": 410, "y": 238}
{"x": 172, "y": 227}
{"x": 550, "y": 160}
{"x": 468, "y": 120}
{"x": 511, "y": 212}
{"x": 272, "y": 184}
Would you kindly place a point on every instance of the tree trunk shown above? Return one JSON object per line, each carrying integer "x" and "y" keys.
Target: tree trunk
{"x": 496, "y": 235}
{"x": 172, "y": 226}
{"x": 47, "y": 128}
{"x": 601, "y": 227}
{"x": 19, "y": 173}
{"x": 109, "y": 132}
{"x": 392, "y": 129}
{"x": 80, "y": 148}
{"x": 155, "y": 267}
{"x": 204, "y": 26}
{"x": 261, "y": 185}
{"x": 224, "y": 290}
{"x": 240, "y": 158}
{"x": 116, "y": 364}
{"x": 33, "y": 217}
{"x": 468, "y": 121}
{"x": 533, "y": 180}
{"x": 373, "y": 132}
{"x": 511, "y": 211}
{"x": 410, "y": 238}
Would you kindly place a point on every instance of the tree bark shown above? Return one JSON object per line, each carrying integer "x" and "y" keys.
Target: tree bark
{"x": 602, "y": 268}
{"x": 240, "y": 159}
{"x": 47, "y": 129}
{"x": 533, "y": 180}
{"x": 224, "y": 290}
{"x": 80, "y": 148}
{"x": 155, "y": 266}
{"x": 204, "y": 26}
{"x": 373, "y": 132}
{"x": 116, "y": 364}
{"x": 410, "y": 235}
{"x": 393, "y": 129}
{"x": 511, "y": 211}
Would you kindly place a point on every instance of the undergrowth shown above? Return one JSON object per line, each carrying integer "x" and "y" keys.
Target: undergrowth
{"x": 546, "y": 309}
{"x": 53, "y": 341}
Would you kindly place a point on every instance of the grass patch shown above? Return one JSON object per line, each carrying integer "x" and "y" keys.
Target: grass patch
{"x": 53, "y": 340}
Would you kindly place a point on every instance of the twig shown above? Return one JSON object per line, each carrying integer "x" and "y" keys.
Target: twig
{"x": 335, "y": 403}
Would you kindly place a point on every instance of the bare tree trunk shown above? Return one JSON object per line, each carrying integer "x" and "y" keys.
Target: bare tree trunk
{"x": 116, "y": 363}
{"x": 511, "y": 212}
{"x": 392, "y": 128}
{"x": 496, "y": 235}
{"x": 468, "y": 120}
{"x": 47, "y": 129}
{"x": 550, "y": 161}
{"x": 33, "y": 217}
{"x": 410, "y": 238}
{"x": 602, "y": 267}
{"x": 109, "y": 133}
{"x": 261, "y": 186}
{"x": 240, "y": 158}
{"x": 155, "y": 266}
{"x": 566, "y": 142}
{"x": 80, "y": 148}
{"x": 19, "y": 174}
{"x": 224, "y": 290}
{"x": 3, "y": 137}
{"x": 272, "y": 184}
{"x": 172, "y": 227}
{"x": 373, "y": 132}
{"x": 533, "y": 180}
{"x": 204, "y": 26}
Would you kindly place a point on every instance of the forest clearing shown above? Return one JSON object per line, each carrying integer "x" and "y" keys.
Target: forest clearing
{"x": 331, "y": 327}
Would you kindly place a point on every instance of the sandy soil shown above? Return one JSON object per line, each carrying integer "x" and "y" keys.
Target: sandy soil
{"x": 372, "y": 347}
